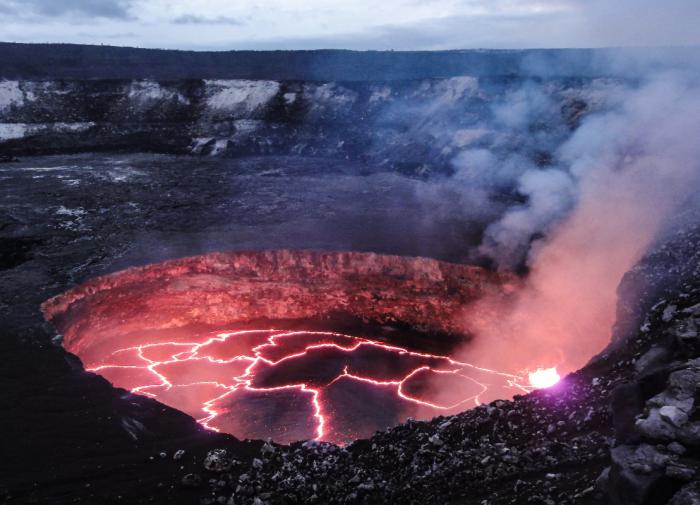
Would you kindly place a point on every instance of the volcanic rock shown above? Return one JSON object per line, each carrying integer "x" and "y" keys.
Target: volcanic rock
{"x": 635, "y": 473}
{"x": 191, "y": 480}
{"x": 225, "y": 288}
{"x": 680, "y": 472}
{"x": 242, "y": 117}
{"x": 651, "y": 360}
{"x": 689, "y": 495}
{"x": 217, "y": 460}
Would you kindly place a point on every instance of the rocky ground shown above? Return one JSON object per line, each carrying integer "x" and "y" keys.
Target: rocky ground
{"x": 622, "y": 430}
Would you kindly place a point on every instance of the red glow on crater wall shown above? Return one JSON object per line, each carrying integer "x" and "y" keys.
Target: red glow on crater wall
{"x": 186, "y": 332}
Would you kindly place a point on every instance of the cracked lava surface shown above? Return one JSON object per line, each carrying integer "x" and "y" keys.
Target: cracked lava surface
{"x": 187, "y": 333}
{"x": 297, "y": 385}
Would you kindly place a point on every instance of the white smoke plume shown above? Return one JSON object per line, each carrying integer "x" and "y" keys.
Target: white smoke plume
{"x": 615, "y": 185}
{"x": 499, "y": 156}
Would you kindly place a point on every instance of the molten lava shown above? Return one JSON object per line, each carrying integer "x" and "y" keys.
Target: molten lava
{"x": 299, "y": 385}
{"x": 543, "y": 378}
{"x": 186, "y": 332}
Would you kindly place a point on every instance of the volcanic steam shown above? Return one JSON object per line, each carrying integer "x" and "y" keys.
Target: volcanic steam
{"x": 617, "y": 184}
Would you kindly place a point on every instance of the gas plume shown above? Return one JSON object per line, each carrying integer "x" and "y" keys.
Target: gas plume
{"x": 613, "y": 188}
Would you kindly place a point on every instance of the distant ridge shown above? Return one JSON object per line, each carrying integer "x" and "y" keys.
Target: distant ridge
{"x": 72, "y": 61}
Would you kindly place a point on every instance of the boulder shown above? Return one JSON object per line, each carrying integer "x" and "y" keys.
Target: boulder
{"x": 217, "y": 460}
{"x": 689, "y": 495}
{"x": 637, "y": 476}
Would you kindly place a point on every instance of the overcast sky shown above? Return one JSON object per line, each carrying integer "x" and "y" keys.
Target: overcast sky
{"x": 353, "y": 24}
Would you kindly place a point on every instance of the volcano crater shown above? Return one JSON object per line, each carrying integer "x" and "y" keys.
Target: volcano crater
{"x": 285, "y": 344}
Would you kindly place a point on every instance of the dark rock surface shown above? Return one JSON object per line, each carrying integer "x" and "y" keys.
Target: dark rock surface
{"x": 658, "y": 454}
{"x": 71, "y": 61}
{"x": 416, "y": 127}
{"x": 221, "y": 289}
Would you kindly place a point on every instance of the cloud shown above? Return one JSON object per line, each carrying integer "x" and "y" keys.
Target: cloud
{"x": 192, "y": 19}
{"x": 549, "y": 29}
{"x": 362, "y": 25}
{"x": 109, "y": 9}
{"x": 640, "y": 22}
{"x": 504, "y": 24}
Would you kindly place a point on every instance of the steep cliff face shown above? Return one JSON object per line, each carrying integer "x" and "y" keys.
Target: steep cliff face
{"x": 224, "y": 289}
{"x": 409, "y": 125}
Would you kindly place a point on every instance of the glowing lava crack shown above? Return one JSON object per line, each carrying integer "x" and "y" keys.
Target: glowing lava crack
{"x": 242, "y": 382}
{"x": 186, "y": 332}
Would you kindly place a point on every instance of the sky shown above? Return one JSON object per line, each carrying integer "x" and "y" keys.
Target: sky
{"x": 353, "y": 24}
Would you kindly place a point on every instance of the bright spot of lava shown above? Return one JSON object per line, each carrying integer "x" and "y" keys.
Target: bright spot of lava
{"x": 543, "y": 378}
